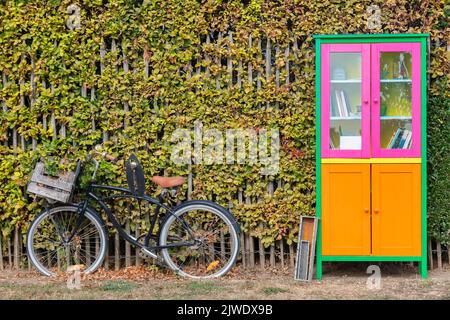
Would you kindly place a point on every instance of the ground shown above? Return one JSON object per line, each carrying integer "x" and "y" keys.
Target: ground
{"x": 340, "y": 281}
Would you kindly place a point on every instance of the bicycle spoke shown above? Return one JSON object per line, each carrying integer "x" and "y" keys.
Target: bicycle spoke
{"x": 213, "y": 249}
{"x": 56, "y": 255}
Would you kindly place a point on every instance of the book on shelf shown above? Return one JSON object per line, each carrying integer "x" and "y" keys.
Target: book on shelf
{"x": 333, "y": 108}
{"x": 401, "y": 139}
{"x": 392, "y": 139}
{"x": 346, "y": 103}
{"x": 331, "y": 144}
{"x": 340, "y": 105}
{"x": 408, "y": 141}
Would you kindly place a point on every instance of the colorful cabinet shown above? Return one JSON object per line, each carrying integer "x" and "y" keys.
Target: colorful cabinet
{"x": 371, "y": 148}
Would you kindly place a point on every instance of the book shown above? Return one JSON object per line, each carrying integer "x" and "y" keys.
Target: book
{"x": 344, "y": 104}
{"x": 347, "y": 103}
{"x": 333, "y": 106}
{"x": 407, "y": 144}
{"x": 394, "y": 139}
{"x": 339, "y": 103}
{"x": 398, "y": 139}
{"x": 390, "y": 140}
{"x": 403, "y": 139}
{"x": 350, "y": 142}
{"x": 331, "y": 144}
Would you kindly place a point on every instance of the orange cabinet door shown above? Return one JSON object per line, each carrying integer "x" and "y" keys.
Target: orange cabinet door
{"x": 396, "y": 205}
{"x": 346, "y": 209}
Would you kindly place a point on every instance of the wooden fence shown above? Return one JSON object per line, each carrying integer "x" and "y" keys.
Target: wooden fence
{"x": 252, "y": 256}
{"x": 120, "y": 254}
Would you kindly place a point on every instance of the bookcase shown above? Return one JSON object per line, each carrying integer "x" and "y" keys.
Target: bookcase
{"x": 371, "y": 148}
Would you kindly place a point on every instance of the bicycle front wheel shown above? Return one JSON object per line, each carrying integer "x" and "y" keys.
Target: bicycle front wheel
{"x": 48, "y": 245}
{"x": 213, "y": 234}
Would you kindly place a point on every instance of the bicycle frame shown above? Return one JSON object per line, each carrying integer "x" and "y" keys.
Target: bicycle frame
{"x": 125, "y": 193}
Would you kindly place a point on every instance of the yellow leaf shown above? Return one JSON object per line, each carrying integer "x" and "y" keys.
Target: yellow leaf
{"x": 212, "y": 265}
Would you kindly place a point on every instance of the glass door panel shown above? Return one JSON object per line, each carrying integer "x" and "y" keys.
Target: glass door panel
{"x": 396, "y": 100}
{"x": 345, "y": 117}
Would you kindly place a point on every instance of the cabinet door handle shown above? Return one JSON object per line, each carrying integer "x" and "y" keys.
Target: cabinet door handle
{"x": 375, "y": 100}
{"x": 376, "y": 211}
{"x": 366, "y": 101}
{"x": 366, "y": 210}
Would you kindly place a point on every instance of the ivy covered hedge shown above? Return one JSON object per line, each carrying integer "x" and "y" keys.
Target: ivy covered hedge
{"x": 134, "y": 72}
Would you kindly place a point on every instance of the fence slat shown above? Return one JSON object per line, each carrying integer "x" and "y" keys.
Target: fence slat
{"x": 88, "y": 251}
{"x": 127, "y": 246}
{"x": 268, "y": 59}
{"x": 439, "y": 254}
{"x": 247, "y": 249}
{"x": 252, "y": 251}
{"x": 243, "y": 250}
{"x": 218, "y": 62}
{"x": 1, "y": 252}
{"x": 116, "y": 251}
{"x": 16, "y": 248}
{"x": 106, "y": 263}
{"x": 286, "y": 57}
{"x": 258, "y": 73}
{"x": 10, "y": 264}
{"x": 430, "y": 254}
{"x": 4, "y": 108}
{"x": 52, "y": 116}
{"x": 242, "y": 236}
{"x": 250, "y": 254}
{"x": 249, "y": 65}
{"x": 230, "y": 60}
{"x": 138, "y": 256}
{"x": 448, "y": 254}
{"x": 291, "y": 255}
{"x": 282, "y": 253}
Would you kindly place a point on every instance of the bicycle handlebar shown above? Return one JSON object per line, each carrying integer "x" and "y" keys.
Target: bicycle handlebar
{"x": 104, "y": 154}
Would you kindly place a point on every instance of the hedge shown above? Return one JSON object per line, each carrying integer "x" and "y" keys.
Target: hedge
{"x": 135, "y": 71}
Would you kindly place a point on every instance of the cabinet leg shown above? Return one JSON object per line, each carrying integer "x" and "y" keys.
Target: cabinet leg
{"x": 423, "y": 269}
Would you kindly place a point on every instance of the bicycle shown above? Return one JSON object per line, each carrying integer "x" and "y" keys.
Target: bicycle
{"x": 197, "y": 238}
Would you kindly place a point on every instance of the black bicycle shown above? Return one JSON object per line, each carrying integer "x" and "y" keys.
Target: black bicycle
{"x": 196, "y": 238}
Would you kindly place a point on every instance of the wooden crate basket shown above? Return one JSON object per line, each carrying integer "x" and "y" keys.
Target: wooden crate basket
{"x": 53, "y": 188}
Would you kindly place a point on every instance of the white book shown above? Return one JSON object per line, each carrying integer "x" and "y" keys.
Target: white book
{"x": 339, "y": 103}
{"x": 403, "y": 138}
{"x": 344, "y": 104}
{"x": 408, "y": 140}
{"x": 350, "y": 142}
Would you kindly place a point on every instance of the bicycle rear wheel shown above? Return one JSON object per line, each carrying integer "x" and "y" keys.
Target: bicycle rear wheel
{"x": 49, "y": 250}
{"x": 216, "y": 236}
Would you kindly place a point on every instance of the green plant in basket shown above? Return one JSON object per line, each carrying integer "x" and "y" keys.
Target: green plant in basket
{"x": 51, "y": 167}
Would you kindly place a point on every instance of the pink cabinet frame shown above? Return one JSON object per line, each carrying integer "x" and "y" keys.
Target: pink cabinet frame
{"x": 414, "y": 151}
{"x": 370, "y": 96}
{"x": 364, "y": 49}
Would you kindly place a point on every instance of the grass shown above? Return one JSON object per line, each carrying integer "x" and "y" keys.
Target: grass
{"x": 256, "y": 286}
{"x": 117, "y": 285}
{"x": 426, "y": 283}
{"x": 202, "y": 287}
{"x": 273, "y": 290}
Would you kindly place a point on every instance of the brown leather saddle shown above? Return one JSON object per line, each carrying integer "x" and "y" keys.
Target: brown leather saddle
{"x": 168, "y": 182}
